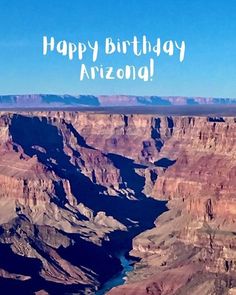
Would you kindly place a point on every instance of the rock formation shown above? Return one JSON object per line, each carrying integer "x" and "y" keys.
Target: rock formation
{"x": 192, "y": 248}
{"x": 68, "y": 195}
{"x": 74, "y": 186}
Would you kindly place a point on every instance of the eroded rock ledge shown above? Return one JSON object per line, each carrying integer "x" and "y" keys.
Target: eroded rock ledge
{"x": 70, "y": 178}
{"x": 192, "y": 248}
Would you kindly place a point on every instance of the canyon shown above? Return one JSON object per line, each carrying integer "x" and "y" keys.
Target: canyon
{"x": 78, "y": 187}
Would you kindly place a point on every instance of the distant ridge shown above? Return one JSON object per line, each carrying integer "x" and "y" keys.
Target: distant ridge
{"x": 55, "y": 101}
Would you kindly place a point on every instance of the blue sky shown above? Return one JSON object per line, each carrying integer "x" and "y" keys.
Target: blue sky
{"x": 207, "y": 26}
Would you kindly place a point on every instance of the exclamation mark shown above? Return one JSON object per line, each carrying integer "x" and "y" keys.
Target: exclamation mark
{"x": 151, "y": 68}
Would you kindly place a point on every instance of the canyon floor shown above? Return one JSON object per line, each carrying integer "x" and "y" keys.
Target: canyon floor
{"x": 79, "y": 187}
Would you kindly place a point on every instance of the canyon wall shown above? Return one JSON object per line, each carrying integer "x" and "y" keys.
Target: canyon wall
{"x": 192, "y": 248}
{"x": 71, "y": 180}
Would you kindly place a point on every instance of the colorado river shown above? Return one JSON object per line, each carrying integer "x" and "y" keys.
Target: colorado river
{"x": 119, "y": 278}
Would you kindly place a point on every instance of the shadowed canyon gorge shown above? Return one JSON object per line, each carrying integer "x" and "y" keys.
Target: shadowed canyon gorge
{"x": 77, "y": 188}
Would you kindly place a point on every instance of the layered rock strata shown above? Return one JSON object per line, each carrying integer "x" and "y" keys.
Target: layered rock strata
{"x": 71, "y": 181}
{"x": 192, "y": 249}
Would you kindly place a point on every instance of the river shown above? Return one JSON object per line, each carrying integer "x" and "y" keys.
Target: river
{"x": 118, "y": 279}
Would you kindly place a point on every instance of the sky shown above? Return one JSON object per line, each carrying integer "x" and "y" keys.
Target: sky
{"x": 207, "y": 26}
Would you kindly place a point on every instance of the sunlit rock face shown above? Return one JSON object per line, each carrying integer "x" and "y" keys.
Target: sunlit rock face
{"x": 192, "y": 249}
{"x": 77, "y": 186}
{"x": 73, "y": 190}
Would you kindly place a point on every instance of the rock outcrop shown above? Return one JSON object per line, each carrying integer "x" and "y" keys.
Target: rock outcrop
{"x": 192, "y": 249}
{"x": 74, "y": 185}
{"x": 68, "y": 194}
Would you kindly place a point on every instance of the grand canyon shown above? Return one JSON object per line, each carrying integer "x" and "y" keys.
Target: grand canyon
{"x": 83, "y": 190}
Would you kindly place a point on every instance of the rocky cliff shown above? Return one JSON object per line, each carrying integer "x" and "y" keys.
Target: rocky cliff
{"x": 192, "y": 248}
{"x": 76, "y": 186}
{"x": 72, "y": 192}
